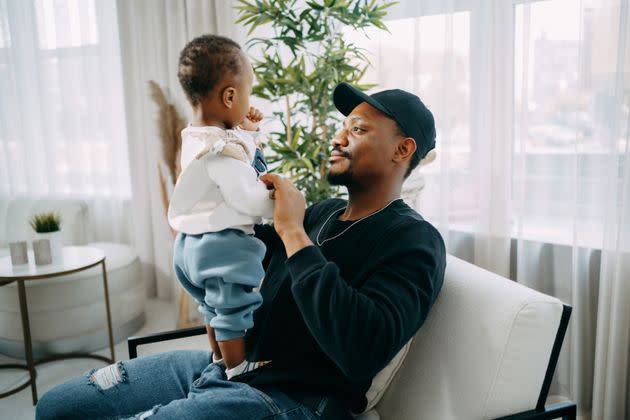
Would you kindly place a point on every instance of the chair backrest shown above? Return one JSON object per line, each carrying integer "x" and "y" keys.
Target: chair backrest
{"x": 15, "y": 213}
{"x": 483, "y": 352}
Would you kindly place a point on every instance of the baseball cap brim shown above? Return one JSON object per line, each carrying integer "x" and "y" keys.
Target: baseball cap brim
{"x": 347, "y": 97}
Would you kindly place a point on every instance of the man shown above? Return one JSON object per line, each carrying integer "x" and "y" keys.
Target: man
{"x": 347, "y": 284}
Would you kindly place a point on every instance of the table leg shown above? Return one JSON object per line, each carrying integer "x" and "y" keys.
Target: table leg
{"x": 109, "y": 316}
{"x": 28, "y": 345}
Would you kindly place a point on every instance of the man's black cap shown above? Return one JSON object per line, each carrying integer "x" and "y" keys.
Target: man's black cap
{"x": 405, "y": 108}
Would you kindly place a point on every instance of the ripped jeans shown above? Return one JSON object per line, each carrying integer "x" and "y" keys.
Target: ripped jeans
{"x": 180, "y": 384}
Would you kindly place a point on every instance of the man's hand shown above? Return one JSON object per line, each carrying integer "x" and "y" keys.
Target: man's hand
{"x": 252, "y": 119}
{"x": 288, "y": 213}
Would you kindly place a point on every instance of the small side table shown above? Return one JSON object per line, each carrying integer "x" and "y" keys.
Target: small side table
{"x": 75, "y": 258}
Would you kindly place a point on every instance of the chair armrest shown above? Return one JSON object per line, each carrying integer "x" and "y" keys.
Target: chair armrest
{"x": 566, "y": 410}
{"x": 135, "y": 341}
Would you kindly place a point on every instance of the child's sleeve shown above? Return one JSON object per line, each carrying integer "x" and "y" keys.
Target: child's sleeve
{"x": 257, "y": 137}
{"x": 240, "y": 187}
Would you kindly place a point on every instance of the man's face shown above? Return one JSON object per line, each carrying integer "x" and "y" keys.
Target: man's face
{"x": 363, "y": 148}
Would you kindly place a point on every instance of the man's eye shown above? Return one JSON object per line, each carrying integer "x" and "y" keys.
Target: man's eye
{"x": 357, "y": 129}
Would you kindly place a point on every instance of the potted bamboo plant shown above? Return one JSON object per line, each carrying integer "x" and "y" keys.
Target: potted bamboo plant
{"x": 299, "y": 66}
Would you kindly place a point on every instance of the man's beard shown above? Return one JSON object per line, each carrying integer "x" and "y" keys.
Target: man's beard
{"x": 343, "y": 178}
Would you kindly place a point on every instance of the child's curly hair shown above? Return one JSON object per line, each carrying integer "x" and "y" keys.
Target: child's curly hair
{"x": 202, "y": 63}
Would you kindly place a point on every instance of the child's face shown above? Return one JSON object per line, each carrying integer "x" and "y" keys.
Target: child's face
{"x": 228, "y": 104}
{"x": 244, "y": 84}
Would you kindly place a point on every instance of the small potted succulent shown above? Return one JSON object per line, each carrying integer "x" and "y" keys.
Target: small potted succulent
{"x": 46, "y": 227}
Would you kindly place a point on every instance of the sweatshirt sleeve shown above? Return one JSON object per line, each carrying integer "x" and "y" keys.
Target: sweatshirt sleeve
{"x": 362, "y": 329}
{"x": 257, "y": 137}
{"x": 240, "y": 187}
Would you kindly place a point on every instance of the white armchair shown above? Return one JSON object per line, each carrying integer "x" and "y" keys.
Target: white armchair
{"x": 487, "y": 350}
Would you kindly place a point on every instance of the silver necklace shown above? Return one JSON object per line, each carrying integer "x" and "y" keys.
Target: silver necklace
{"x": 346, "y": 229}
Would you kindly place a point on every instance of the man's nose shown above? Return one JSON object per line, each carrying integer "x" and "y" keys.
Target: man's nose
{"x": 340, "y": 139}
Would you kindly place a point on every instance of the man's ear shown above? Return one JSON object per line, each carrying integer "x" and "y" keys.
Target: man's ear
{"x": 404, "y": 149}
{"x": 227, "y": 96}
{"x": 430, "y": 157}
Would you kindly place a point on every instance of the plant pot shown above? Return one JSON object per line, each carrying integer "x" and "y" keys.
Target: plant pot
{"x": 56, "y": 245}
{"x": 42, "y": 251}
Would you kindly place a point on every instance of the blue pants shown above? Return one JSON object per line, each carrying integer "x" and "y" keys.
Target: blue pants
{"x": 219, "y": 270}
{"x": 173, "y": 385}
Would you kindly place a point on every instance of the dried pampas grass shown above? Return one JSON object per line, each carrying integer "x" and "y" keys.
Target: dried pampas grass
{"x": 170, "y": 126}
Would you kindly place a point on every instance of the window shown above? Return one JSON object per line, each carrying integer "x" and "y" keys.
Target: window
{"x": 5, "y": 38}
{"x": 67, "y": 24}
{"x": 413, "y": 58}
{"x": 62, "y": 125}
{"x": 523, "y": 102}
{"x": 564, "y": 98}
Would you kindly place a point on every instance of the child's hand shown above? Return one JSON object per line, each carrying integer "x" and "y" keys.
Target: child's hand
{"x": 252, "y": 119}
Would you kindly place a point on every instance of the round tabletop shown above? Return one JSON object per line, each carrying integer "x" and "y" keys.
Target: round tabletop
{"x": 75, "y": 258}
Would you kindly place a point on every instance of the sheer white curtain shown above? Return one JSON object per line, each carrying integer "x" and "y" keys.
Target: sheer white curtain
{"x": 75, "y": 114}
{"x": 62, "y": 122}
{"x": 532, "y": 179}
{"x": 152, "y": 34}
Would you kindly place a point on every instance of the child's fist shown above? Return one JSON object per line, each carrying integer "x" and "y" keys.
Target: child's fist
{"x": 252, "y": 119}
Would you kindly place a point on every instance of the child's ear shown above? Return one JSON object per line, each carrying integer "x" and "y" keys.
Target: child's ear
{"x": 227, "y": 96}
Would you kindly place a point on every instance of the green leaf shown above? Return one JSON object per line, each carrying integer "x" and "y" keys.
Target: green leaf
{"x": 314, "y": 5}
{"x": 294, "y": 141}
{"x": 308, "y": 164}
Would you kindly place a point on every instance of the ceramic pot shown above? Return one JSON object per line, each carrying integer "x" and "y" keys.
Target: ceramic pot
{"x": 56, "y": 245}
{"x": 42, "y": 251}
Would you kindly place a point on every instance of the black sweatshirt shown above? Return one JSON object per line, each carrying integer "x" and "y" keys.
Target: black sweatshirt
{"x": 333, "y": 316}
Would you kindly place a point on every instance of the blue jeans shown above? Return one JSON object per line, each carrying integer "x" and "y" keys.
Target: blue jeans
{"x": 174, "y": 385}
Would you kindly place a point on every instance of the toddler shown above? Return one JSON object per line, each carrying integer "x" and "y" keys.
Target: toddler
{"x": 217, "y": 198}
